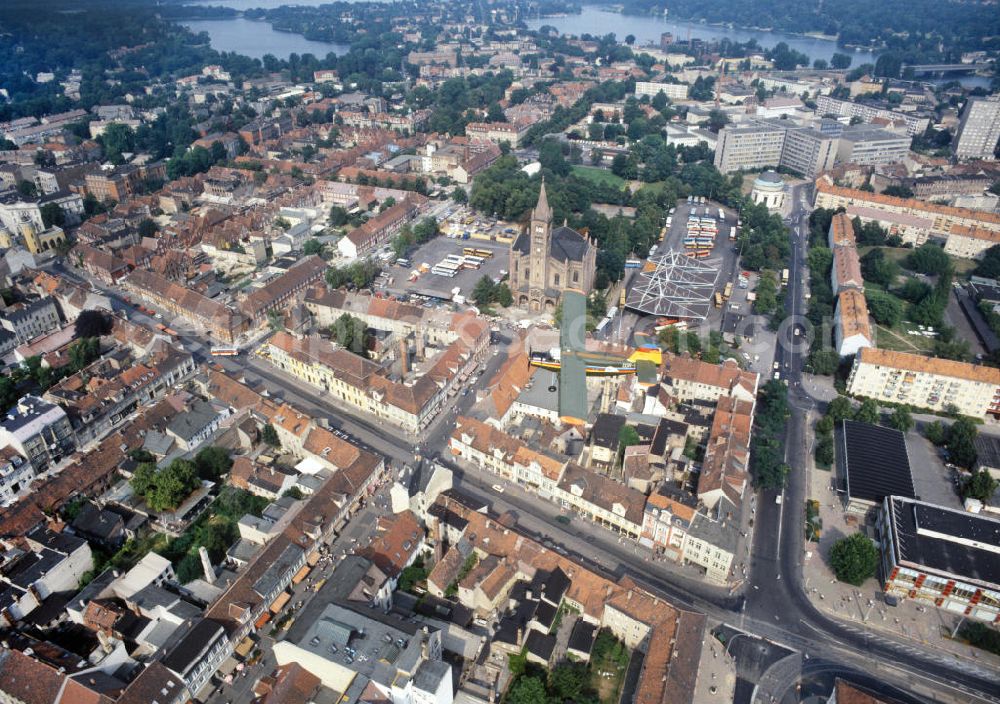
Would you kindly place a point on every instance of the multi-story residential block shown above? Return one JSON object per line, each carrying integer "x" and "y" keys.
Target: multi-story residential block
{"x": 497, "y": 132}
{"x": 53, "y": 563}
{"x": 808, "y": 151}
{"x": 967, "y": 233}
{"x": 751, "y": 146}
{"x": 218, "y": 319}
{"x": 281, "y": 291}
{"x": 825, "y": 105}
{"x": 198, "y": 654}
{"x": 40, "y": 431}
{"x": 674, "y": 91}
{"x": 868, "y": 146}
{"x": 16, "y": 474}
{"x": 29, "y": 320}
{"x": 852, "y": 329}
{"x": 363, "y": 240}
{"x": 362, "y": 383}
{"x": 979, "y": 129}
{"x": 940, "y": 555}
{"x": 690, "y": 379}
{"x": 925, "y": 382}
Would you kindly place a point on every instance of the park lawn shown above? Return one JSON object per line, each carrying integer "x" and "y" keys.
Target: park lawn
{"x": 599, "y": 176}
{"x": 896, "y": 339}
{"x": 609, "y": 655}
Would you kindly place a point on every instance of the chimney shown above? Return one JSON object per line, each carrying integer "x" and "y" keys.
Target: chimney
{"x": 404, "y": 357}
{"x": 206, "y": 565}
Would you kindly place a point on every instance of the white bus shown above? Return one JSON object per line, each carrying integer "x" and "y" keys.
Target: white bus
{"x": 225, "y": 351}
{"x": 444, "y": 271}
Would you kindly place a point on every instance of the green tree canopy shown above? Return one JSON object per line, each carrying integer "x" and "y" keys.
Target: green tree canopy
{"x": 854, "y": 559}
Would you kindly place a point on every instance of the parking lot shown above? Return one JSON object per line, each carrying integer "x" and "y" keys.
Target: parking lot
{"x": 433, "y": 252}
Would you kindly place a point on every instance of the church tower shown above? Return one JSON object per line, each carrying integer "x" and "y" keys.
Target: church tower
{"x": 541, "y": 230}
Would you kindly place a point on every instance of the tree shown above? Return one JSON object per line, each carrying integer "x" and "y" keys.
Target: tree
{"x": 979, "y": 485}
{"x": 961, "y": 443}
{"x": 884, "y": 308}
{"x": 936, "y": 432}
{"x": 117, "y": 139}
{"x": 52, "y": 215}
{"x": 569, "y": 681}
{"x": 83, "y": 352}
{"x": 901, "y": 419}
{"x": 459, "y": 195}
{"x": 212, "y": 462}
{"x": 528, "y": 690}
{"x": 824, "y": 361}
{"x": 868, "y": 412}
{"x": 312, "y": 246}
{"x": 824, "y": 449}
{"x": 338, "y": 216}
{"x": 840, "y": 409}
{"x": 147, "y": 228}
{"x": 27, "y": 189}
{"x": 840, "y": 61}
{"x": 482, "y": 293}
{"x": 270, "y": 436}
{"x": 854, "y": 559}
{"x": 876, "y": 268}
{"x": 351, "y": 333}
{"x": 628, "y": 436}
{"x": 928, "y": 259}
{"x": 93, "y": 323}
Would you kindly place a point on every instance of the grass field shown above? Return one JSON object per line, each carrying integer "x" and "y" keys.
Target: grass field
{"x": 599, "y": 176}
{"x": 899, "y": 341}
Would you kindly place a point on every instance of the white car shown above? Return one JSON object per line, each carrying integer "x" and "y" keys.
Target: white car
{"x": 497, "y": 488}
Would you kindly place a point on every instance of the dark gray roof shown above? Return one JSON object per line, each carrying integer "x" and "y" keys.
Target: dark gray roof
{"x": 606, "y": 429}
{"x": 875, "y": 462}
{"x": 949, "y": 542}
{"x": 540, "y": 645}
{"x": 987, "y": 450}
{"x": 189, "y": 649}
{"x": 188, "y": 424}
{"x": 429, "y": 675}
{"x": 582, "y": 637}
{"x": 565, "y": 244}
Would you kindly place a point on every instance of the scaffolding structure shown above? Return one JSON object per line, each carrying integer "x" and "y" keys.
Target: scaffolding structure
{"x": 678, "y": 287}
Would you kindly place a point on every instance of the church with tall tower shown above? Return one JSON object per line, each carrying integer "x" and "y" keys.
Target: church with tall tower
{"x": 544, "y": 261}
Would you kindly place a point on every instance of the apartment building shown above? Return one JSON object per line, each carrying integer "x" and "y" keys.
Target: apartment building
{"x": 363, "y": 384}
{"x": 925, "y": 382}
{"x": 846, "y": 269}
{"x": 365, "y": 239}
{"x": 825, "y": 105}
{"x": 221, "y": 322}
{"x": 869, "y": 146}
{"x": 979, "y": 129}
{"x": 16, "y": 474}
{"x": 31, "y": 319}
{"x": 940, "y": 555}
{"x": 751, "y": 146}
{"x": 808, "y": 151}
{"x": 673, "y": 91}
{"x": 690, "y": 379}
{"x": 497, "y": 132}
{"x": 40, "y": 431}
{"x": 852, "y": 329}
{"x": 762, "y": 144}
{"x": 283, "y": 289}
{"x": 973, "y": 231}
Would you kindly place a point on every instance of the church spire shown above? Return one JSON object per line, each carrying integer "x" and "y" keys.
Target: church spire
{"x": 542, "y": 211}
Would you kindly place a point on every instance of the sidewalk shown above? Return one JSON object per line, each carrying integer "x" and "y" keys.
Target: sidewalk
{"x": 716, "y": 671}
{"x": 918, "y": 623}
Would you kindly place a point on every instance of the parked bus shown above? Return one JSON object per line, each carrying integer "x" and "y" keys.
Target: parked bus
{"x": 469, "y": 251}
{"x": 728, "y": 292}
{"x": 405, "y": 263}
{"x": 484, "y": 253}
{"x": 701, "y": 253}
{"x": 447, "y": 273}
{"x": 722, "y": 214}
{"x": 732, "y": 233}
{"x": 633, "y": 263}
{"x": 784, "y": 277}
{"x": 718, "y": 299}
{"x": 473, "y": 262}
{"x": 225, "y": 351}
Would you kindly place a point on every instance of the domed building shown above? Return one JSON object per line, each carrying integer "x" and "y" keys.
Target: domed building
{"x": 769, "y": 189}
{"x": 544, "y": 261}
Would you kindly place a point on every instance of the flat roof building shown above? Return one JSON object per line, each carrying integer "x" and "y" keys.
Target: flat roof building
{"x": 875, "y": 465}
{"x": 948, "y": 557}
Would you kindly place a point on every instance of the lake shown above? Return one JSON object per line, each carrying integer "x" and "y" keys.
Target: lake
{"x": 256, "y": 38}
{"x": 596, "y": 21}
